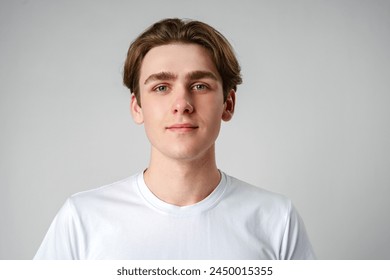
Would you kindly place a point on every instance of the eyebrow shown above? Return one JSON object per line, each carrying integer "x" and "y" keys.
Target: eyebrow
{"x": 162, "y": 76}
{"x": 168, "y": 76}
{"x": 201, "y": 74}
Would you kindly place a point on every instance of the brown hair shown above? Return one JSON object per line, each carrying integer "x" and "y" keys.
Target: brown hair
{"x": 186, "y": 31}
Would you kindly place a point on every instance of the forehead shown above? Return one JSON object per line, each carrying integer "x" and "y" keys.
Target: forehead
{"x": 177, "y": 58}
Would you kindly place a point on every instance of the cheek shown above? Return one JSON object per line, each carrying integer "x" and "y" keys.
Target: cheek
{"x": 154, "y": 117}
{"x": 213, "y": 111}
{"x": 213, "y": 118}
{"x": 152, "y": 129}
{"x": 152, "y": 110}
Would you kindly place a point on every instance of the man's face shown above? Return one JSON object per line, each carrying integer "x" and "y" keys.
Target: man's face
{"x": 182, "y": 101}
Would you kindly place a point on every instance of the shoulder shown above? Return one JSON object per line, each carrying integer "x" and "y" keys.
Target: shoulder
{"x": 105, "y": 195}
{"x": 249, "y": 194}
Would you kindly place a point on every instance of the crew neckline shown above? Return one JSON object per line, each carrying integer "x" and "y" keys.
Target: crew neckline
{"x": 207, "y": 203}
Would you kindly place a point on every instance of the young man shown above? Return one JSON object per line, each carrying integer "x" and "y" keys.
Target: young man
{"x": 183, "y": 77}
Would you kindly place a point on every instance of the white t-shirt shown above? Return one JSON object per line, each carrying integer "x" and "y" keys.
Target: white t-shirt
{"x": 125, "y": 220}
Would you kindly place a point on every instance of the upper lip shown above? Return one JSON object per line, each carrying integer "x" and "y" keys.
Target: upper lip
{"x": 182, "y": 125}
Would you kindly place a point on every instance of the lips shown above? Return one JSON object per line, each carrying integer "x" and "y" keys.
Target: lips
{"x": 182, "y": 127}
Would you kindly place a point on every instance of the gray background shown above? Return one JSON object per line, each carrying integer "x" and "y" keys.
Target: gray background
{"x": 312, "y": 118}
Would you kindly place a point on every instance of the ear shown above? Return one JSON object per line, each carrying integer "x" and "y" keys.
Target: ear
{"x": 136, "y": 110}
{"x": 230, "y": 102}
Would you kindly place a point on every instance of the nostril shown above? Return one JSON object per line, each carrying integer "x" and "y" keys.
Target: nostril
{"x": 183, "y": 106}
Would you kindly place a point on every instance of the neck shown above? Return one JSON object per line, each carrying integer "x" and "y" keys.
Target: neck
{"x": 182, "y": 182}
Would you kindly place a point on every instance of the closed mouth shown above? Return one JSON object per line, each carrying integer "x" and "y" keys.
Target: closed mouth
{"x": 182, "y": 127}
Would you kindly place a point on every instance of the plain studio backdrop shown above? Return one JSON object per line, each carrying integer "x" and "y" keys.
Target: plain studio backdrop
{"x": 312, "y": 119}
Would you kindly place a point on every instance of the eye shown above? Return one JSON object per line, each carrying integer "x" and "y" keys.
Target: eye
{"x": 161, "y": 88}
{"x": 199, "y": 87}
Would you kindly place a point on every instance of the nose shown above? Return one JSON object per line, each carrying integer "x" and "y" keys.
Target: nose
{"x": 182, "y": 104}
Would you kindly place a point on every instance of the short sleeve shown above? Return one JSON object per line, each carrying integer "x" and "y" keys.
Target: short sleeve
{"x": 295, "y": 244}
{"x": 64, "y": 237}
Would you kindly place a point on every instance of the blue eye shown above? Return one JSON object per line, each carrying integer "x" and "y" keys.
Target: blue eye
{"x": 199, "y": 87}
{"x": 161, "y": 88}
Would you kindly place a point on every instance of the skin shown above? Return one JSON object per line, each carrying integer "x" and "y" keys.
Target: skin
{"x": 182, "y": 109}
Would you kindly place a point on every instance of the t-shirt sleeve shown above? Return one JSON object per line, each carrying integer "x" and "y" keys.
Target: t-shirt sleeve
{"x": 295, "y": 244}
{"x": 63, "y": 239}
